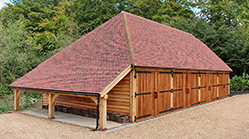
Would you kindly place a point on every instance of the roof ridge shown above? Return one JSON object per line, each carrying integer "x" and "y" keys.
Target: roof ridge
{"x": 128, "y": 40}
{"x": 157, "y": 23}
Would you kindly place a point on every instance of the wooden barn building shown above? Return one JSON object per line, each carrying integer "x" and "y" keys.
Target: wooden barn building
{"x": 128, "y": 69}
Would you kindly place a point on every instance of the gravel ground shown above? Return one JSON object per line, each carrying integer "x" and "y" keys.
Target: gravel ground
{"x": 228, "y": 118}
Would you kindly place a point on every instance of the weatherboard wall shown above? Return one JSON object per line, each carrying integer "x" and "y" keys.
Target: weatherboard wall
{"x": 118, "y": 99}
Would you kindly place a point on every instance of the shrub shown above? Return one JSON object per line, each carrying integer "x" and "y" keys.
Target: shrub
{"x": 240, "y": 83}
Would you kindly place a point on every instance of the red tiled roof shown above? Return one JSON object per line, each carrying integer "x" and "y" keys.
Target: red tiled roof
{"x": 158, "y": 45}
{"x": 91, "y": 63}
{"x": 88, "y": 65}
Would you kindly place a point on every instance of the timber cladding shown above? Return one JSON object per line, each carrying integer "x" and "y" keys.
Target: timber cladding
{"x": 160, "y": 92}
{"x": 157, "y": 92}
{"x": 119, "y": 97}
{"x": 118, "y": 103}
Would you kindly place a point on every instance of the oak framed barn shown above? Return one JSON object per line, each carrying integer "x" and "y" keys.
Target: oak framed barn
{"x": 128, "y": 68}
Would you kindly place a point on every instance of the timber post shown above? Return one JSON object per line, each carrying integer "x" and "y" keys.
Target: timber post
{"x": 51, "y": 100}
{"x": 132, "y": 96}
{"x": 17, "y": 93}
{"x": 103, "y": 111}
{"x": 218, "y": 95}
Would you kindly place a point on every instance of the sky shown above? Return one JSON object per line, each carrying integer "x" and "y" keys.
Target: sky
{"x": 2, "y": 3}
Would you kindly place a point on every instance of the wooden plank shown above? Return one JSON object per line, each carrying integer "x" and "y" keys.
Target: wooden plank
{"x": 113, "y": 83}
{"x": 122, "y": 86}
{"x": 119, "y": 99}
{"x": 120, "y": 111}
{"x": 119, "y": 96}
{"x": 119, "y": 93}
{"x": 74, "y": 105}
{"x": 119, "y": 103}
{"x": 119, "y": 107}
{"x": 121, "y": 89}
{"x": 74, "y": 102}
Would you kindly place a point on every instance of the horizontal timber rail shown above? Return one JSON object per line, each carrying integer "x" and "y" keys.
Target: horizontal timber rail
{"x": 56, "y": 91}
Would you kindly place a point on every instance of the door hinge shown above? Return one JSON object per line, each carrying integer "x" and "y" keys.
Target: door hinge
{"x": 135, "y": 76}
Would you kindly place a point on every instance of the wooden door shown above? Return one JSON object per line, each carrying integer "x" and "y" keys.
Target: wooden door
{"x": 145, "y": 95}
{"x": 204, "y": 93}
{"x": 178, "y": 91}
{"x": 192, "y": 90}
{"x": 220, "y": 86}
{"x": 164, "y": 92}
{"x": 223, "y": 85}
{"x": 212, "y": 87}
{"x": 226, "y": 84}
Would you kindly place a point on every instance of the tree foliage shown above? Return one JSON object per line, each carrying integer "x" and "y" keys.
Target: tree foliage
{"x": 33, "y": 30}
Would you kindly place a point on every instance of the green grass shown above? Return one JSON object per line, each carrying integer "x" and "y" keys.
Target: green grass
{"x": 28, "y": 105}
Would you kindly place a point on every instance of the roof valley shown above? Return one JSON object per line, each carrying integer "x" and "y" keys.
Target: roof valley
{"x": 128, "y": 40}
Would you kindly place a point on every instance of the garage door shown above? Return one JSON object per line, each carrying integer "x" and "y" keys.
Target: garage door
{"x": 212, "y": 87}
{"x": 155, "y": 95}
{"x": 223, "y": 85}
{"x": 204, "y": 92}
{"x": 192, "y": 90}
{"x": 164, "y": 92}
{"x": 144, "y": 95}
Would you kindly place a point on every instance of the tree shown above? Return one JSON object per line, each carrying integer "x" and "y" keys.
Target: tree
{"x": 89, "y": 14}
{"x": 47, "y": 20}
{"x": 16, "y": 58}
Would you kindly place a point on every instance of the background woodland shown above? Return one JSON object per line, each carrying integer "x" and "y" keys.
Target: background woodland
{"x": 33, "y": 30}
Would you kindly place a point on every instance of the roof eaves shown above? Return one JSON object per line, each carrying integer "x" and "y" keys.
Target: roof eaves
{"x": 128, "y": 40}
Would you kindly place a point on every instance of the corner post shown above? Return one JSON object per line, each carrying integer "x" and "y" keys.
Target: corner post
{"x": 103, "y": 111}
{"x": 17, "y": 93}
{"x": 132, "y": 96}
